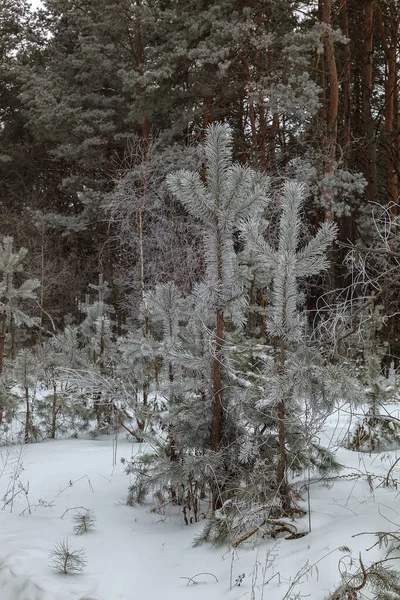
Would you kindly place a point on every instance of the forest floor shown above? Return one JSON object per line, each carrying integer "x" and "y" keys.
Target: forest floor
{"x": 137, "y": 554}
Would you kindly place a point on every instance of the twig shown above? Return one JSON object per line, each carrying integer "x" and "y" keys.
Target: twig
{"x": 372, "y": 250}
{"x": 365, "y": 576}
{"x": 122, "y": 424}
{"x": 390, "y": 470}
{"x": 73, "y": 508}
{"x": 277, "y": 574}
{"x": 281, "y": 524}
{"x": 71, "y": 483}
{"x": 191, "y": 579}
{"x": 357, "y": 312}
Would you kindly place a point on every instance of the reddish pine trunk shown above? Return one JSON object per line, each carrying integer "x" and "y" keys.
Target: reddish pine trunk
{"x": 283, "y": 489}
{"x": 389, "y": 34}
{"x": 348, "y": 223}
{"x": 251, "y": 107}
{"x": 217, "y": 385}
{"x": 218, "y": 399}
{"x": 273, "y": 132}
{"x": 330, "y": 138}
{"x": 371, "y": 171}
{"x": 391, "y": 142}
{"x": 346, "y": 92}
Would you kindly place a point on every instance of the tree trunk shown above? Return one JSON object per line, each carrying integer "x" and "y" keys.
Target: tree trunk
{"x": 252, "y": 112}
{"x": 273, "y": 131}
{"x": 218, "y": 399}
{"x": 217, "y": 385}
{"x": 140, "y": 63}
{"x": 173, "y": 453}
{"x": 390, "y": 95}
{"x": 346, "y": 92}
{"x": 142, "y": 424}
{"x": 2, "y": 347}
{"x": 54, "y": 411}
{"x": 330, "y": 138}
{"x": 2, "y": 340}
{"x": 348, "y": 223}
{"x": 283, "y": 489}
{"x": 371, "y": 170}
{"x": 145, "y": 136}
{"x": 389, "y": 34}
{"x": 396, "y": 135}
{"x": 27, "y": 416}
{"x": 241, "y": 125}
{"x": 329, "y": 142}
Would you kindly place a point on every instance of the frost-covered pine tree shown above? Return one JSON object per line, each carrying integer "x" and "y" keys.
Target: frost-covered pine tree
{"x": 219, "y": 199}
{"x": 96, "y": 328}
{"x": 182, "y": 467}
{"x": 12, "y": 296}
{"x": 200, "y": 424}
{"x": 25, "y": 375}
{"x": 97, "y": 339}
{"x": 289, "y": 386}
{"x": 378, "y": 430}
{"x": 59, "y": 409}
{"x": 298, "y": 382}
{"x": 166, "y": 305}
{"x": 137, "y": 370}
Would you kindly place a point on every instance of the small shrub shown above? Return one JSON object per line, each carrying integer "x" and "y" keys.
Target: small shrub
{"x": 376, "y": 433}
{"x": 84, "y": 522}
{"x": 65, "y": 560}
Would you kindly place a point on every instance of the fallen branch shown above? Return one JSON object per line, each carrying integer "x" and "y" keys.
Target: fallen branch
{"x": 281, "y": 526}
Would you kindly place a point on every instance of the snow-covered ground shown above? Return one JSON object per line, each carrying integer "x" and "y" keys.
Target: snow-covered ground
{"x": 137, "y": 554}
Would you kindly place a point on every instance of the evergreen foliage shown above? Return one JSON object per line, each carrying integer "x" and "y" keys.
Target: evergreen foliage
{"x": 378, "y": 431}
{"x": 300, "y": 385}
{"x": 231, "y": 193}
{"x": 13, "y": 298}
{"x": 378, "y": 580}
{"x": 84, "y": 522}
{"x": 65, "y": 560}
{"x": 13, "y": 295}
{"x": 258, "y": 445}
{"x": 125, "y": 131}
{"x": 81, "y": 85}
{"x": 25, "y": 374}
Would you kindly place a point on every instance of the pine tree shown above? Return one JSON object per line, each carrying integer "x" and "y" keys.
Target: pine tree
{"x": 96, "y": 334}
{"x": 166, "y": 305}
{"x": 60, "y": 410}
{"x": 289, "y": 386}
{"x": 25, "y": 374}
{"x": 12, "y": 296}
{"x": 292, "y": 374}
{"x": 228, "y": 194}
{"x": 138, "y": 369}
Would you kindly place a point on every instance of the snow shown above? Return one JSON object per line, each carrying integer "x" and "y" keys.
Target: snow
{"x": 135, "y": 553}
